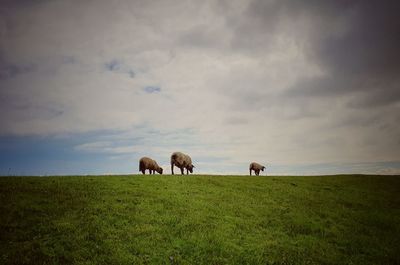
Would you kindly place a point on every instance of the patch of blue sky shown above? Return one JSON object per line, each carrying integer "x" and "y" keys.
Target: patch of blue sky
{"x": 117, "y": 152}
{"x": 152, "y": 89}
{"x": 392, "y": 167}
{"x": 113, "y": 65}
{"x": 10, "y": 70}
{"x": 38, "y": 155}
{"x": 119, "y": 66}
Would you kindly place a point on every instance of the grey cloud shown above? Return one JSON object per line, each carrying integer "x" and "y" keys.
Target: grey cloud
{"x": 354, "y": 42}
{"x": 118, "y": 66}
{"x": 380, "y": 97}
{"x": 68, "y": 59}
{"x": 10, "y": 70}
{"x": 260, "y": 96}
{"x": 235, "y": 120}
{"x": 6, "y": 5}
{"x": 199, "y": 36}
{"x": 367, "y": 57}
{"x": 370, "y": 45}
{"x": 16, "y": 107}
{"x": 359, "y": 121}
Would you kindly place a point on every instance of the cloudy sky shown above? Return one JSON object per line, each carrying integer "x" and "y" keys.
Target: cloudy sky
{"x": 304, "y": 87}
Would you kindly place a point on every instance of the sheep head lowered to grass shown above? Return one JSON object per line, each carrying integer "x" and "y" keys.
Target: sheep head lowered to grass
{"x": 150, "y": 164}
{"x": 181, "y": 161}
{"x": 256, "y": 167}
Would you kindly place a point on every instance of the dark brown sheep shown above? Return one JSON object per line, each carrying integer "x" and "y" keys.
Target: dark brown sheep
{"x": 256, "y": 167}
{"x": 182, "y": 161}
{"x": 150, "y": 164}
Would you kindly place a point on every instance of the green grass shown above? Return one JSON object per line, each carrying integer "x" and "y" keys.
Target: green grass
{"x": 200, "y": 220}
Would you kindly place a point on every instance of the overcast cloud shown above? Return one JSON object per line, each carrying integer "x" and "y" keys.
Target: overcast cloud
{"x": 284, "y": 83}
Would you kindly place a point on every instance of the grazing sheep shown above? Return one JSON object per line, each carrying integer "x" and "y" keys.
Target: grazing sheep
{"x": 256, "y": 167}
{"x": 181, "y": 161}
{"x": 150, "y": 164}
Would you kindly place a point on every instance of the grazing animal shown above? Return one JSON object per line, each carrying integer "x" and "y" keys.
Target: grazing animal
{"x": 182, "y": 161}
{"x": 150, "y": 164}
{"x": 256, "y": 167}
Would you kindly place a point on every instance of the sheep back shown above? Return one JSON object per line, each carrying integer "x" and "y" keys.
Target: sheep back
{"x": 181, "y": 160}
{"x": 256, "y": 166}
{"x": 148, "y": 163}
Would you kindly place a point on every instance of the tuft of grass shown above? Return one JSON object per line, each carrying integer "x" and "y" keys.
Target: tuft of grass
{"x": 196, "y": 219}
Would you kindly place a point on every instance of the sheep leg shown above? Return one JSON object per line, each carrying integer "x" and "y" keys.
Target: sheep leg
{"x": 258, "y": 172}
{"x": 183, "y": 173}
{"x": 250, "y": 172}
{"x": 143, "y": 171}
{"x": 187, "y": 171}
{"x": 172, "y": 168}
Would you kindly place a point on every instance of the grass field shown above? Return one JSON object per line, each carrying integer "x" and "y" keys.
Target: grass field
{"x": 200, "y": 220}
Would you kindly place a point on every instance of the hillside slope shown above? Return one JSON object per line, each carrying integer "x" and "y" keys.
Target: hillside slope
{"x": 200, "y": 220}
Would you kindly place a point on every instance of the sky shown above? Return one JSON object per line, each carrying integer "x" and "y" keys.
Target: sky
{"x": 302, "y": 87}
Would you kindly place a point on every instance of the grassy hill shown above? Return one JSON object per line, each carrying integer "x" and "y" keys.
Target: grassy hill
{"x": 200, "y": 220}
